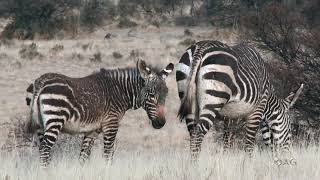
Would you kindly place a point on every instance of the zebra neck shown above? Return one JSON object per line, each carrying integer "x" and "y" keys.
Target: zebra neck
{"x": 129, "y": 85}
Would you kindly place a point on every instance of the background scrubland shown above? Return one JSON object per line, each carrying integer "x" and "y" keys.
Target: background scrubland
{"x": 78, "y": 37}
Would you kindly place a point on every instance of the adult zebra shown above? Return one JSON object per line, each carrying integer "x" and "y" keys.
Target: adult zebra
{"x": 94, "y": 104}
{"x": 215, "y": 80}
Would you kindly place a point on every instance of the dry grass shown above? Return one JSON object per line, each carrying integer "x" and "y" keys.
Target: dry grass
{"x": 159, "y": 163}
{"x": 142, "y": 152}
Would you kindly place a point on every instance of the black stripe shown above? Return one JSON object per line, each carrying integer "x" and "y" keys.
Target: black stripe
{"x": 213, "y": 106}
{"x": 219, "y": 94}
{"x": 28, "y": 100}
{"x": 181, "y": 94}
{"x": 58, "y": 113}
{"x": 220, "y": 59}
{"x": 58, "y": 89}
{"x": 185, "y": 59}
{"x": 30, "y": 88}
{"x": 180, "y": 76}
{"x": 54, "y": 121}
{"x": 60, "y": 103}
{"x": 208, "y": 116}
{"x": 222, "y": 77}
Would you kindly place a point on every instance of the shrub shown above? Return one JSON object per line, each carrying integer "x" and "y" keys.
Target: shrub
{"x": 96, "y": 57}
{"x": 185, "y": 21}
{"x": 277, "y": 27}
{"x": 126, "y": 23}
{"x": 187, "y": 42}
{"x": 117, "y": 55}
{"x": 56, "y": 48}
{"x": 94, "y": 12}
{"x": 30, "y": 52}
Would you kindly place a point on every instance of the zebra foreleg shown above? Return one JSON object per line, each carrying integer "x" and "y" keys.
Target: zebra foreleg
{"x": 86, "y": 147}
{"x": 282, "y": 148}
{"x": 109, "y": 130}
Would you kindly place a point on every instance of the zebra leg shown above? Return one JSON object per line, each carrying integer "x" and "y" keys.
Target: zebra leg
{"x": 109, "y": 129}
{"x": 282, "y": 147}
{"x": 252, "y": 127}
{"x": 52, "y": 130}
{"x": 40, "y": 135}
{"x": 87, "y": 144}
{"x": 196, "y": 138}
{"x": 266, "y": 134}
{"x": 228, "y": 136}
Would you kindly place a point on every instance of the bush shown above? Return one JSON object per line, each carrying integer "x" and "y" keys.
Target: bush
{"x": 126, "y": 23}
{"x": 117, "y": 55}
{"x": 187, "y": 42}
{"x": 94, "y": 12}
{"x": 96, "y": 57}
{"x": 56, "y": 49}
{"x": 30, "y": 52}
{"x": 277, "y": 27}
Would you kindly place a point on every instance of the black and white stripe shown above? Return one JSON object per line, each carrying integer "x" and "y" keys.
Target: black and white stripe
{"x": 94, "y": 104}
{"x": 215, "y": 80}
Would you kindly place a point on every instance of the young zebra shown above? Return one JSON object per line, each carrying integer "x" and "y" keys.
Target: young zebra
{"x": 215, "y": 80}
{"x": 94, "y": 104}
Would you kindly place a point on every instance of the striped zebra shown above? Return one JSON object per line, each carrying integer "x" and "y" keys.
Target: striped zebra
{"x": 215, "y": 81}
{"x": 94, "y": 104}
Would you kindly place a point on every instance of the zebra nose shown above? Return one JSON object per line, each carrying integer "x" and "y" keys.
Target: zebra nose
{"x": 158, "y": 123}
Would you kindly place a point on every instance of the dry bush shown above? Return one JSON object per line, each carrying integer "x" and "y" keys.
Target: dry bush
{"x": 30, "y": 52}
{"x": 77, "y": 56}
{"x": 188, "y": 32}
{"x": 94, "y": 13}
{"x": 17, "y": 136}
{"x": 125, "y": 22}
{"x": 96, "y": 57}
{"x": 187, "y": 42}
{"x": 56, "y": 49}
{"x": 117, "y": 55}
{"x": 277, "y": 27}
{"x": 135, "y": 54}
{"x": 185, "y": 21}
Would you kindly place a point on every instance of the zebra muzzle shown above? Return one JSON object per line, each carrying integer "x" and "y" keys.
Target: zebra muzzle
{"x": 160, "y": 120}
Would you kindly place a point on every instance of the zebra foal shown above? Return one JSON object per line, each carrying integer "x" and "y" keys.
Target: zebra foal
{"x": 216, "y": 81}
{"x": 94, "y": 104}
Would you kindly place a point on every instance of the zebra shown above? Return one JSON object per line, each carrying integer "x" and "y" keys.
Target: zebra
{"x": 216, "y": 80}
{"x": 94, "y": 104}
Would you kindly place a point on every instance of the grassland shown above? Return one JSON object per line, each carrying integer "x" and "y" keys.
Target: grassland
{"x": 142, "y": 152}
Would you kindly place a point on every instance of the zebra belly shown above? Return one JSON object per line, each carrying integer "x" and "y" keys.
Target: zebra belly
{"x": 236, "y": 110}
{"x": 77, "y": 127}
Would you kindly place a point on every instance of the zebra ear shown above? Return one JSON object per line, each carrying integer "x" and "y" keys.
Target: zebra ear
{"x": 166, "y": 71}
{"x": 292, "y": 98}
{"x": 143, "y": 69}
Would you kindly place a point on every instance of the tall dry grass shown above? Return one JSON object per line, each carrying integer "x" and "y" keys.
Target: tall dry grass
{"x": 160, "y": 163}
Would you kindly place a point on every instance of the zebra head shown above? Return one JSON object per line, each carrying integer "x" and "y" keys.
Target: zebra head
{"x": 154, "y": 92}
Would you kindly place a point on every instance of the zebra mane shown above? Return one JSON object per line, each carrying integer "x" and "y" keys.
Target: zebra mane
{"x": 155, "y": 68}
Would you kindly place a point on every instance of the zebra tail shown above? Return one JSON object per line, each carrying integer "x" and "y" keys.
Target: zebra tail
{"x": 31, "y": 125}
{"x": 189, "y": 97}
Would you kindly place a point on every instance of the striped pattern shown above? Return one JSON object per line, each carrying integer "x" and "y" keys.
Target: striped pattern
{"x": 217, "y": 81}
{"x": 94, "y": 104}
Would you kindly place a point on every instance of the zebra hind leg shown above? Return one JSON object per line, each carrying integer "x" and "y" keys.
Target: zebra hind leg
{"x": 87, "y": 144}
{"x": 228, "y": 135}
{"x": 252, "y": 127}
{"x": 196, "y": 138}
{"x": 53, "y": 128}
